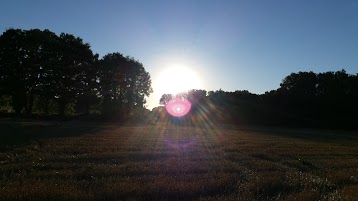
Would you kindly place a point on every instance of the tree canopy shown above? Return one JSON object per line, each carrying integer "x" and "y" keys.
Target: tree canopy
{"x": 46, "y": 73}
{"x": 305, "y": 99}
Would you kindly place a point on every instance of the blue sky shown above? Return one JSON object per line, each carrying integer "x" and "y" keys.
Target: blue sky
{"x": 233, "y": 45}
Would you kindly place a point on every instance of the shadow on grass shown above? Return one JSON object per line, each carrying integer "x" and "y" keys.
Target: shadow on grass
{"x": 15, "y": 132}
{"x": 314, "y": 135}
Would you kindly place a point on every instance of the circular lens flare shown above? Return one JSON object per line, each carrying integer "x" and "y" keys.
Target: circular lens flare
{"x": 178, "y": 107}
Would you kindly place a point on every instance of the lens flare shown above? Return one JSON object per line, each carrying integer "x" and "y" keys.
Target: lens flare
{"x": 179, "y": 139}
{"x": 178, "y": 107}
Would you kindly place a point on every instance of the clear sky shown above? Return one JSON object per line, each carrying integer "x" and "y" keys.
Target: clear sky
{"x": 233, "y": 45}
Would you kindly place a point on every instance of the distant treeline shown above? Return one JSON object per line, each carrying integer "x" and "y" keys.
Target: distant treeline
{"x": 304, "y": 99}
{"x": 42, "y": 73}
{"x": 47, "y": 74}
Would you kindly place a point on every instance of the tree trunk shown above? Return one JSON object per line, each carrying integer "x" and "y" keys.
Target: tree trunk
{"x": 87, "y": 105}
{"x": 29, "y": 103}
{"x": 46, "y": 105}
{"x": 62, "y": 107}
{"x": 106, "y": 106}
{"x": 18, "y": 101}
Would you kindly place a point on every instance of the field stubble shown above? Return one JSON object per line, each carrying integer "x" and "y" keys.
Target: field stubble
{"x": 80, "y": 161}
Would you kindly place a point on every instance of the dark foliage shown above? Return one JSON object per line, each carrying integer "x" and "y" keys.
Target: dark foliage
{"x": 43, "y": 73}
{"x": 304, "y": 99}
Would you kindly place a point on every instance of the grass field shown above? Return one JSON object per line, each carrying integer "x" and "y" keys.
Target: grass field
{"x": 89, "y": 161}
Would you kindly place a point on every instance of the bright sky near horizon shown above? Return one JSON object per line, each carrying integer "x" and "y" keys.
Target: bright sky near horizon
{"x": 232, "y": 45}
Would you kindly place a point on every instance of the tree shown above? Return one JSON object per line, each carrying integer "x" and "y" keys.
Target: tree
{"x": 39, "y": 68}
{"x": 165, "y": 99}
{"x": 11, "y": 68}
{"x": 26, "y": 59}
{"x": 89, "y": 93}
{"x": 124, "y": 83}
{"x": 74, "y": 72}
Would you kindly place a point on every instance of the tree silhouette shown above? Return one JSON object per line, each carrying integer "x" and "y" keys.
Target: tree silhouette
{"x": 26, "y": 60}
{"x": 124, "y": 83}
{"x": 304, "y": 99}
{"x": 46, "y": 73}
{"x": 41, "y": 70}
{"x": 12, "y": 68}
{"x": 165, "y": 99}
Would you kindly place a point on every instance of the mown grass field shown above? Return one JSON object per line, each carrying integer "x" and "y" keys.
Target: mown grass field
{"x": 90, "y": 161}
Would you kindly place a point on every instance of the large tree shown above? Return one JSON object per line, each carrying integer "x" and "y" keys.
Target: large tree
{"x": 40, "y": 64}
{"x": 43, "y": 68}
{"x": 12, "y": 76}
{"x": 26, "y": 60}
{"x": 124, "y": 83}
{"x": 75, "y": 73}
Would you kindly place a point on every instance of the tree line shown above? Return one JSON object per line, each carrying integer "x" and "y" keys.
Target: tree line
{"x": 45, "y": 73}
{"x": 307, "y": 99}
{"x": 48, "y": 74}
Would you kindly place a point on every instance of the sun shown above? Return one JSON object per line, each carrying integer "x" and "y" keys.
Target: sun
{"x": 176, "y": 79}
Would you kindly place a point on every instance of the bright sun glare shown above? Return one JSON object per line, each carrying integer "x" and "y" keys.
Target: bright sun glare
{"x": 177, "y": 78}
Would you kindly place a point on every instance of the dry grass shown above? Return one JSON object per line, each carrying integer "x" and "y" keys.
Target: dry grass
{"x": 165, "y": 162}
